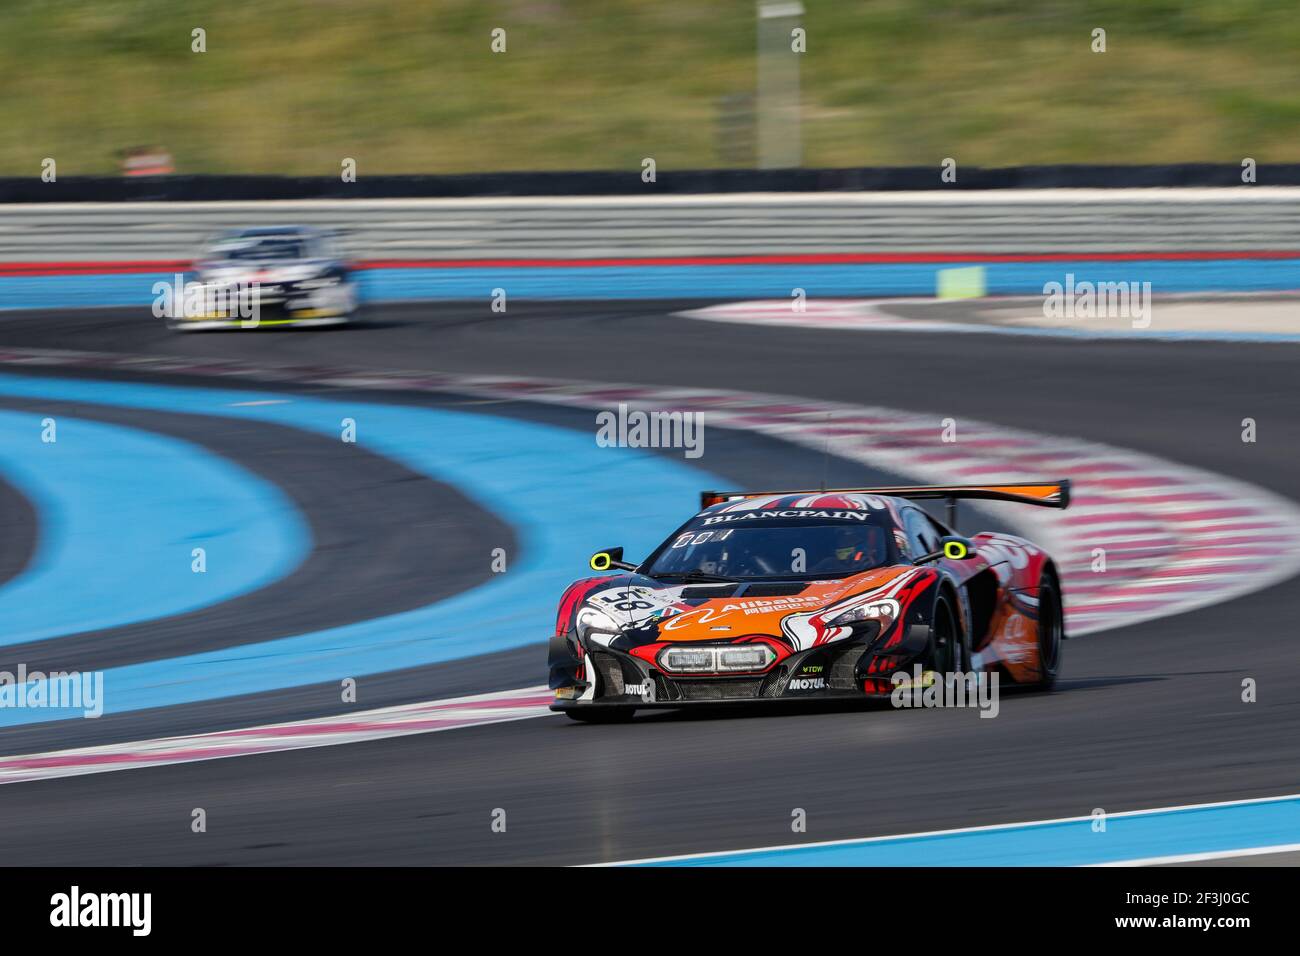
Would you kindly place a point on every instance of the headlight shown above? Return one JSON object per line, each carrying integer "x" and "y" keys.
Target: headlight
{"x": 594, "y": 623}
{"x": 684, "y": 660}
{"x": 883, "y": 612}
{"x": 716, "y": 660}
{"x": 752, "y": 658}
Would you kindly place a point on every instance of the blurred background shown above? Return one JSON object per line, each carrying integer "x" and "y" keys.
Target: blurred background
{"x": 413, "y": 86}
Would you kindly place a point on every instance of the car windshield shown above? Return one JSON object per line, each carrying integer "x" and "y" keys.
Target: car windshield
{"x": 794, "y": 549}
{"x": 260, "y": 247}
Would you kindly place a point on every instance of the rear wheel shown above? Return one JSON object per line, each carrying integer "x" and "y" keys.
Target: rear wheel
{"x": 1051, "y": 631}
{"x": 601, "y": 715}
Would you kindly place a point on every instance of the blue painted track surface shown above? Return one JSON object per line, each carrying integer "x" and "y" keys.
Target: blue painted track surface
{"x": 1074, "y": 843}
{"x": 120, "y": 514}
{"x": 698, "y": 281}
{"x": 552, "y": 485}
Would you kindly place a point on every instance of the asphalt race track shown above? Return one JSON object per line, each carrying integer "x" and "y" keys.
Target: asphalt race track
{"x": 1145, "y": 716}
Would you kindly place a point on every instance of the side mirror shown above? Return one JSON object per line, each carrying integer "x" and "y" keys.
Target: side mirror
{"x": 956, "y": 548}
{"x": 610, "y": 558}
{"x": 952, "y": 547}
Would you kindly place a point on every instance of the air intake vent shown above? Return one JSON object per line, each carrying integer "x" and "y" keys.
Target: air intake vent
{"x": 719, "y": 689}
{"x": 611, "y": 674}
{"x": 775, "y": 589}
{"x": 710, "y": 591}
{"x": 843, "y": 670}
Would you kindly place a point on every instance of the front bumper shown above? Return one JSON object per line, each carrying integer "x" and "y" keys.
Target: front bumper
{"x": 293, "y": 320}
{"x": 278, "y": 305}
{"x": 605, "y": 677}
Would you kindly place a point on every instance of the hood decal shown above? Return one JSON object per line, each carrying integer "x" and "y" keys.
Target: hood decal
{"x": 661, "y": 614}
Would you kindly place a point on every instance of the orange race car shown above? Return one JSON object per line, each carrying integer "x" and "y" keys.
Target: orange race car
{"x": 810, "y": 594}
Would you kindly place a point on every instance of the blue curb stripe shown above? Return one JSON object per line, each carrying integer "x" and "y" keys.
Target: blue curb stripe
{"x": 119, "y": 513}
{"x": 759, "y": 280}
{"x": 563, "y": 495}
{"x": 1137, "y": 836}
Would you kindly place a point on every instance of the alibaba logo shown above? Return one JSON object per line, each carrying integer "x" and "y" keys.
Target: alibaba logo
{"x": 708, "y": 616}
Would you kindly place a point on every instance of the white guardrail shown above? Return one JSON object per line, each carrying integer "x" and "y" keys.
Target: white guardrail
{"x": 994, "y": 221}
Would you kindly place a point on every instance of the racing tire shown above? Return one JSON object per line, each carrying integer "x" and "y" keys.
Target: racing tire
{"x": 1051, "y": 632}
{"x": 601, "y": 715}
{"x": 949, "y": 650}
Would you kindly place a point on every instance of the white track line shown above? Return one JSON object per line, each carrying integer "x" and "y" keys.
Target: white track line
{"x": 420, "y": 718}
{"x": 1197, "y": 857}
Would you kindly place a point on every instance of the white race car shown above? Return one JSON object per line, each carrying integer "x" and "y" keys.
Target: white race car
{"x": 265, "y": 277}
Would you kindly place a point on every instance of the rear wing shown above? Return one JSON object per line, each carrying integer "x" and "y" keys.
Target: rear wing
{"x": 1045, "y": 494}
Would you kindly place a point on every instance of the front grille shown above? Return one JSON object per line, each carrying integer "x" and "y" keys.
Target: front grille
{"x": 718, "y": 689}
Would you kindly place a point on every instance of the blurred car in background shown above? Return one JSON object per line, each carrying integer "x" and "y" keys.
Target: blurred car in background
{"x": 270, "y": 276}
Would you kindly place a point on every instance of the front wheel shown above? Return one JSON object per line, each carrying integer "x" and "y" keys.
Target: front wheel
{"x": 949, "y": 651}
